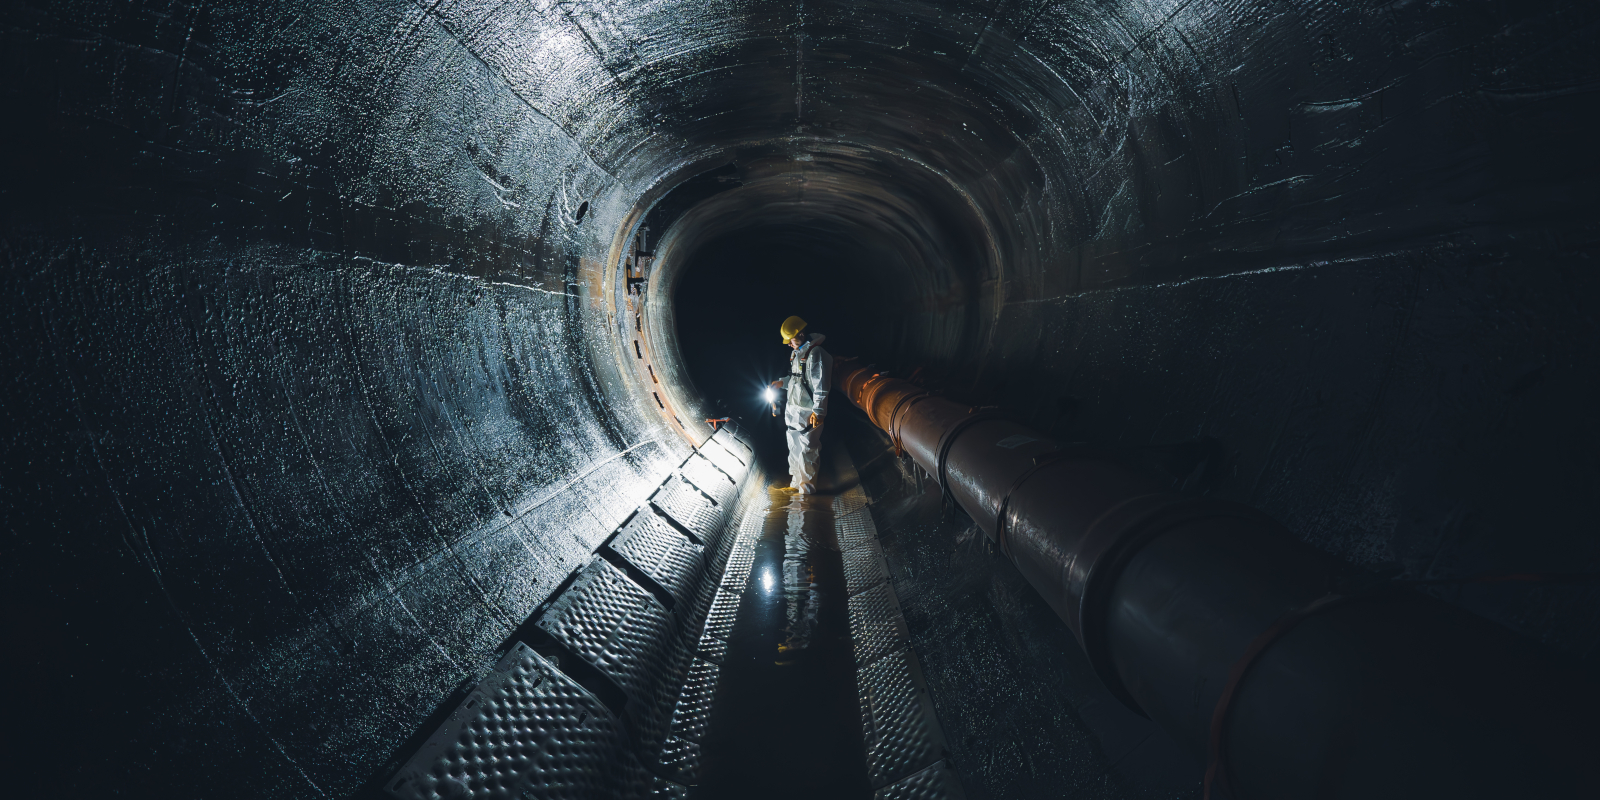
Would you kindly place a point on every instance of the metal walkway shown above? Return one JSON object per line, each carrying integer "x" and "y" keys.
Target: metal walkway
{"x": 785, "y": 717}
{"x": 821, "y": 694}
{"x": 728, "y": 640}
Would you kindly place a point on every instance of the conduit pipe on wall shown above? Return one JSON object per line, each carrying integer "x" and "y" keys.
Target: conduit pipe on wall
{"x": 1292, "y": 674}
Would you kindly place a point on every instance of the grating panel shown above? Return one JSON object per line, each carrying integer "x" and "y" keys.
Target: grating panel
{"x": 660, "y": 551}
{"x": 707, "y": 478}
{"x": 855, "y": 529}
{"x": 937, "y": 782}
{"x": 679, "y": 499}
{"x": 526, "y": 731}
{"x": 864, "y": 568}
{"x": 613, "y": 624}
{"x": 897, "y": 720}
{"x": 876, "y": 626}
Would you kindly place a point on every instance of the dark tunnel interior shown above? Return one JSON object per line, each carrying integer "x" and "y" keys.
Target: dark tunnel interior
{"x": 732, "y": 287}
{"x": 347, "y": 342}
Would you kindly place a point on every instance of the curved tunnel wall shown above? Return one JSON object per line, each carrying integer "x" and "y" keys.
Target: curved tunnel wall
{"x": 318, "y": 384}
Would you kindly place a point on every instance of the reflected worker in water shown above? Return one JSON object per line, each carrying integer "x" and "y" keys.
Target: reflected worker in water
{"x": 805, "y": 402}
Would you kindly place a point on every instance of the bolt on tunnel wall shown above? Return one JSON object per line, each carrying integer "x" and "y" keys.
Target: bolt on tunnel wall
{"x": 324, "y": 368}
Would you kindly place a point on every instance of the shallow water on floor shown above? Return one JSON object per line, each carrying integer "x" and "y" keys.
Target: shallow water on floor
{"x": 786, "y": 722}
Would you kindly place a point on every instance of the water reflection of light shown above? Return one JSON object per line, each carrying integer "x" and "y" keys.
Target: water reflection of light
{"x": 768, "y": 580}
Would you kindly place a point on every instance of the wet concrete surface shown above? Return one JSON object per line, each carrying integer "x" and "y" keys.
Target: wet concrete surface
{"x": 312, "y": 399}
{"x": 786, "y": 723}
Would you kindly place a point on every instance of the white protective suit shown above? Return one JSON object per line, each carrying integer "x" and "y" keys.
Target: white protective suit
{"x": 810, "y": 377}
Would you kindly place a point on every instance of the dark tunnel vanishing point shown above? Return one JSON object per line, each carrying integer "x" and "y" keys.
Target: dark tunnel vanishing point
{"x": 341, "y": 337}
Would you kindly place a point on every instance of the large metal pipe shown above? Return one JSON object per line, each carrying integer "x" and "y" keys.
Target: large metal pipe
{"x": 1294, "y": 675}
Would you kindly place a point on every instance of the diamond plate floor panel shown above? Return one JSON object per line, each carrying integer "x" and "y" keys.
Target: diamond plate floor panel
{"x": 682, "y": 756}
{"x": 849, "y": 503}
{"x": 719, "y": 622}
{"x": 864, "y": 568}
{"x": 615, "y": 625}
{"x": 701, "y": 667}
{"x": 661, "y": 552}
{"x": 707, "y": 478}
{"x": 937, "y": 782}
{"x": 667, "y": 790}
{"x": 738, "y": 570}
{"x": 900, "y": 728}
{"x": 733, "y": 444}
{"x": 897, "y": 720}
{"x": 876, "y": 625}
{"x": 694, "y": 702}
{"x": 526, "y": 731}
{"x": 713, "y": 649}
{"x": 856, "y": 529}
{"x": 687, "y": 506}
{"x": 727, "y": 461}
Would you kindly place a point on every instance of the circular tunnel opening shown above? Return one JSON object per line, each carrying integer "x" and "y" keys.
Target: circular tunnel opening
{"x": 737, "y": 288}
{"x": 888, "y": 260}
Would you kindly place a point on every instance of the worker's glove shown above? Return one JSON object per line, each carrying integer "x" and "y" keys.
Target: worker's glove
{"x": 816, "y": 420}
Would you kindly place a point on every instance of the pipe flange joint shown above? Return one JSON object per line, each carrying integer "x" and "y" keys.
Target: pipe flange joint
{"x": 942, "y": 453}
{"x": 1110, "y": 544}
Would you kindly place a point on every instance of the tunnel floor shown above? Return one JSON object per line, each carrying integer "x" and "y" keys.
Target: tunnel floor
{"x": 786, "y": 717}
{"x": 828, "y": 690}
{"x": 821, "y": 694}
{"x": 1022, "y": 714}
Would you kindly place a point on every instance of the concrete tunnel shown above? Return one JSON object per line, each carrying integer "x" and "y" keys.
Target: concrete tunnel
{"x": 360, "y": 356}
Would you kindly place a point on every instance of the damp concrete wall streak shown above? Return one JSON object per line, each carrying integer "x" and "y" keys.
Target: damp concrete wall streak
{"x": 302, "y": 422}
{"x": 327, "y": 488}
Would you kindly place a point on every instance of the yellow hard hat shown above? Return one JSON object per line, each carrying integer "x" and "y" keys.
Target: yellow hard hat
{"x": 791, "y": 327}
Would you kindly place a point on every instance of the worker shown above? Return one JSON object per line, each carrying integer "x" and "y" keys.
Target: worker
{"x": 806, "y": 402}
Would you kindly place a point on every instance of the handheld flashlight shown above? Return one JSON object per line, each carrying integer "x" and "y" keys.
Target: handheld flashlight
{"x": 771, "y": 396}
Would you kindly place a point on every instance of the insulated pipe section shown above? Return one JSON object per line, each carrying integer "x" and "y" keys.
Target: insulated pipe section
{"x": 1293, "y": 675}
